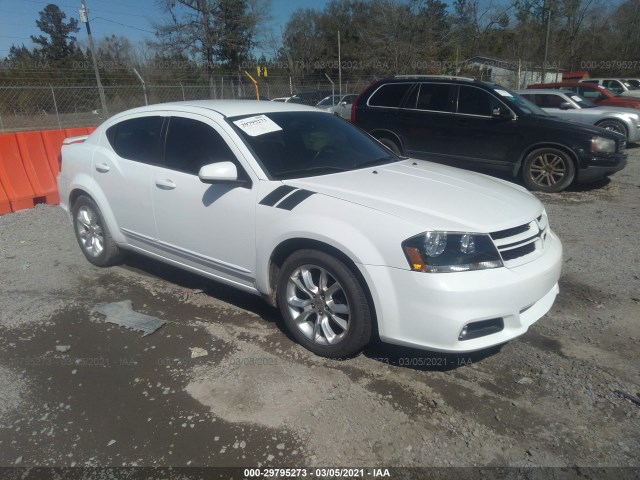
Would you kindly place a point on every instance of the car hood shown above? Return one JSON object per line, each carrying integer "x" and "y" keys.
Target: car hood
{"x": 628, "y": 102}
{"x": 559, "y": 124}
{"x": 431, "y": 195}
{"x": 634, "y": 112}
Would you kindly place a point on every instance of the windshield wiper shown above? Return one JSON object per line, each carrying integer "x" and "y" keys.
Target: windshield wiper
{"x": 324, "y": 169}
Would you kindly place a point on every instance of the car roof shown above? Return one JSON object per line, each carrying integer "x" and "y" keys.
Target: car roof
{"x": 571, "y": 84}
{"x": 546, "y": 90}
{"x": 227, "y": 108}
{"x": 437, "y": 78}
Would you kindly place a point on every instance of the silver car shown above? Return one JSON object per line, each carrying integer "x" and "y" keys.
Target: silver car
{"x": 338, "y": 105}
{"x": 569, "y": 105}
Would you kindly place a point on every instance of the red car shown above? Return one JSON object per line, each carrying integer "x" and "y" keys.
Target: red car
{"x": 600, "y": 96}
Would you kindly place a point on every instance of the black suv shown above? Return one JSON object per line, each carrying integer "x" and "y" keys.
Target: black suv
{"x": 473, "y": 124}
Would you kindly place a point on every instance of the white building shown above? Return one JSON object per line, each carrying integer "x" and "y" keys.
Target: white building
{"x": 515, "y": 74}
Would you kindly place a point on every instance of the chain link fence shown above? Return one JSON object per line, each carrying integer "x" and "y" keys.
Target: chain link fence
{"x": 56, "y": 106}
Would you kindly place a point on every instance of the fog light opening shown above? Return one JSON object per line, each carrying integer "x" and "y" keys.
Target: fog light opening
{"x": 481, "y": 328}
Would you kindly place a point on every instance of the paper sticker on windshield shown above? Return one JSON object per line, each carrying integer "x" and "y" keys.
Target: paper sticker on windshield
{"x": 576, "y": 98}
{"x": 257, "y": 125}
{"x": 504, "y": 93}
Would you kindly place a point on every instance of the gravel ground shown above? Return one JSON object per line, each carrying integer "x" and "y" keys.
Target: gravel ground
{"x": 118, "y": 398}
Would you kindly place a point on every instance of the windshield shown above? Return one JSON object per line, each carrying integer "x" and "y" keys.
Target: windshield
{"x": 304, "y": 144}
{"x": 523, "y": 105}
{"x": 581, "y": 101}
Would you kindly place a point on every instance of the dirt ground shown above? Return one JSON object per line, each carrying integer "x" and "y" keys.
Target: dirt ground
{"x": 117, "y": 398}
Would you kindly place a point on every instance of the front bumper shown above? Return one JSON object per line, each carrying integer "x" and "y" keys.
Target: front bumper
{"x": 596, "y": 166}
{"x": 429, "y": 311}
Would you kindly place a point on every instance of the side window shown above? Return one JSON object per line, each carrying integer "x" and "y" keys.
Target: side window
{"x": 613, "y": 85}
{"x": 550, "y": 101}
{"x": 535, "y": 99}
{"x": 191, "y": 144}
{"x": 434, "y": 97}
{"x": 590, "y": 93}
{"x": 137, "y": 139}
{"x": 475, "y": 101}
{"x": 389, "y": 95}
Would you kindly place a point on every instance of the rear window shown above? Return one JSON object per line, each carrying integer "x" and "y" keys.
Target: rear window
{"x": 137, "y": 139}
{"x": 389, "y": 95}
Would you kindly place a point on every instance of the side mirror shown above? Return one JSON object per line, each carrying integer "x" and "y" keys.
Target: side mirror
{"x": 502, "y": 114}
{"x": 344, "y": 104}
{"x": 219, "y": 172}
{"x": 566, "y": 106}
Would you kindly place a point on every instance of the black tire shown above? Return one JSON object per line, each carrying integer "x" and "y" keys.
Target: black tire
{"x": 93, "y": 231}
{"x": 313, "y": 324}
{"x": 391, "y": 145}
{"x": 548, "y": 170}
{"x": 614, "y": 126}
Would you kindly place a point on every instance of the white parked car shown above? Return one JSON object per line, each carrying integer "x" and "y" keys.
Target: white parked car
{"x": 569, "y": 105}
{"x": 302, "y": 208}
{"x": 338, "y": 105}
{"x": 619, "y": 86}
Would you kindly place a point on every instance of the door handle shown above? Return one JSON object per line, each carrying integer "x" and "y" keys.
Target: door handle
{"x": 102, "y": 167}
{"x": 165, "y": 184}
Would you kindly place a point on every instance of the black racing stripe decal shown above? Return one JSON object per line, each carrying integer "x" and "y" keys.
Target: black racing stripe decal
{"x": 293, "y": 200}
{"x": 278, "y": 194}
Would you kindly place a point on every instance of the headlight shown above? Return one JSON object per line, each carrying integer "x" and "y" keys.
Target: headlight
{"x": 603, "y": 145}
{"x": 446, "y": 252}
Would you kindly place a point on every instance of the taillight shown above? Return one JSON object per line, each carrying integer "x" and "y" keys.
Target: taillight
{"x": 355, "y": 103}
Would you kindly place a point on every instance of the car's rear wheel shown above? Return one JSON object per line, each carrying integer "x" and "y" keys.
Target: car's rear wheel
{"x": 93, "y": 234}
{"x": 614, "y": 126}
{"x": 391, "y": 145}
{"x": 323, "y": 304}
{"x": 548, "y": 170}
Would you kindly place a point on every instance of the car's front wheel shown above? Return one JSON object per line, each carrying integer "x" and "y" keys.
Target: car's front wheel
{"x": 548, "y": 170}
{"x": 93, "y": 234}
{"x": 614, "y": 126}
{"x": 323, "y": 304}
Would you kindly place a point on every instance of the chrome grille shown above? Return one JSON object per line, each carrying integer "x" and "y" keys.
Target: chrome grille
{"x": 518, "y": 252}
{"x": 510, "y": 232}
{"x": 517, "y": 244}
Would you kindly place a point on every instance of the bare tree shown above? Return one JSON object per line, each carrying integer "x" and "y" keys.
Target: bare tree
{"x": 214, "y": 32}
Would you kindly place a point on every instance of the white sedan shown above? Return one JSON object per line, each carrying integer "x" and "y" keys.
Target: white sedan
{"x": 302, "y": 208}
{"x": 338, "y": 105}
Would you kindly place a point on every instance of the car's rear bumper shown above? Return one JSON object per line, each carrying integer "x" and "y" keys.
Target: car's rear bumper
{"x": 429, "y": 311}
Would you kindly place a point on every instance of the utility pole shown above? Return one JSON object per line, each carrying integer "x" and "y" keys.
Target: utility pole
{"x": 84, "y": 18}
{"x": 339, "y": 68}
{"x": 546, "y": 9}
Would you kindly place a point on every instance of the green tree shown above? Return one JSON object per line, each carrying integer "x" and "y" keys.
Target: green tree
{"x": 58, "y": 43}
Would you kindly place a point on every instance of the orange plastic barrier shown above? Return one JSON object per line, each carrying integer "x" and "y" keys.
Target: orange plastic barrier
{"x": 29, "y": 166}
{"x": 52, "y": 145}
{"x": 34, "y": 159}
{"x": 5, "y": 206}
{"x": 13, "y": 177}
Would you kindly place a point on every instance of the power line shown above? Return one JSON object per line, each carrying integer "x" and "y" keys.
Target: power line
{"x": 124, "y": 25}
